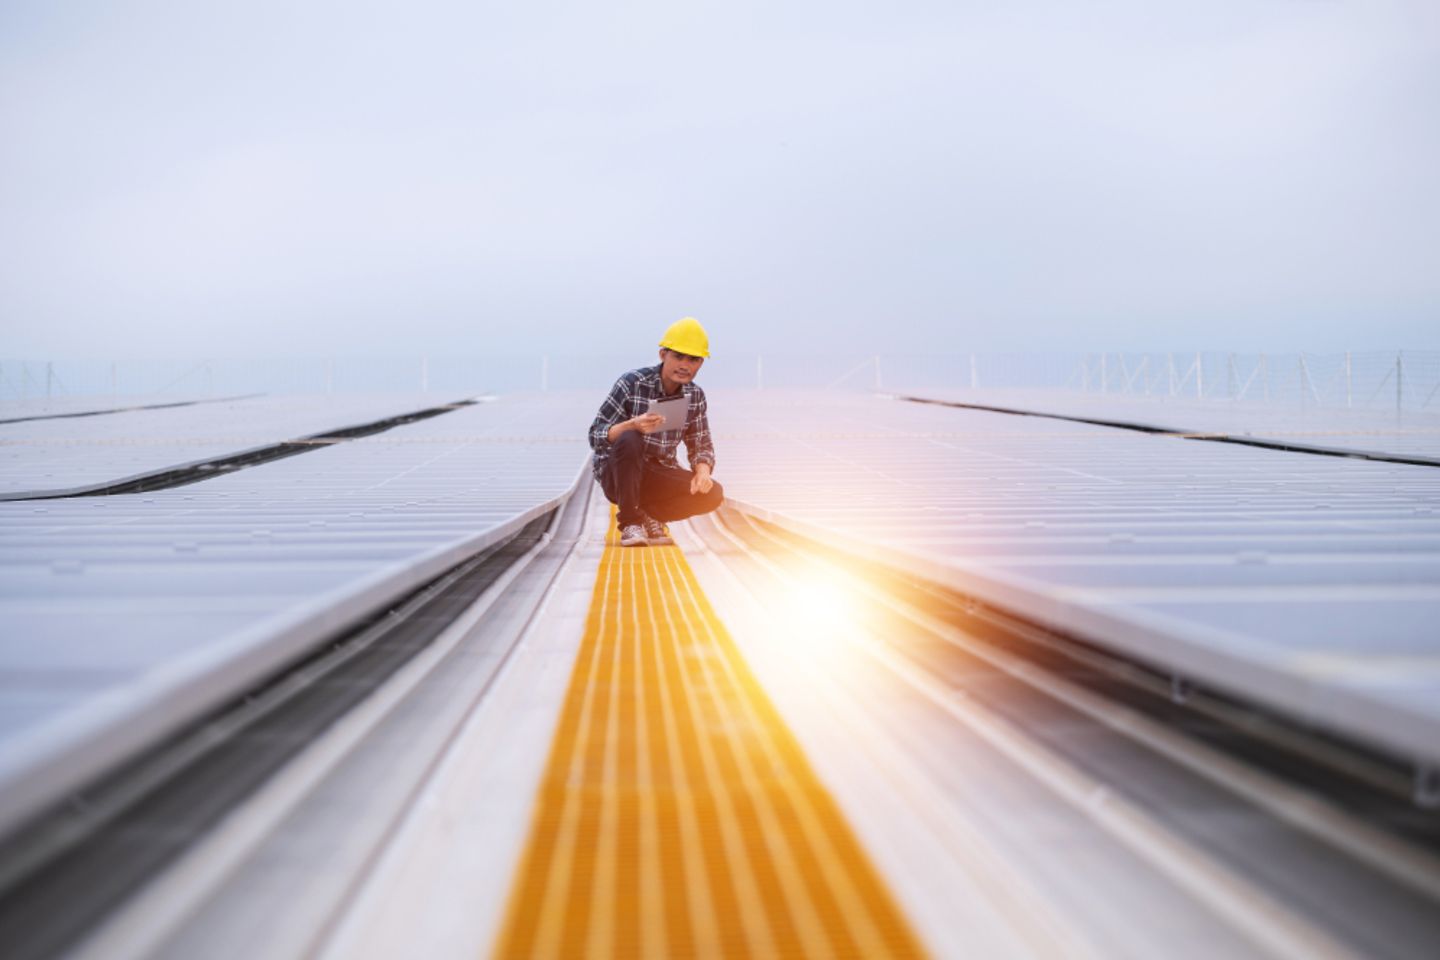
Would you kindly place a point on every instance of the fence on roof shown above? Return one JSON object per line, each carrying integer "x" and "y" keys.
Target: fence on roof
{"x": 1400, "y": 380}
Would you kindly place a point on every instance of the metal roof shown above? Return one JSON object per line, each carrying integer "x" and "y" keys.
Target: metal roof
{"x": 1306, "y": 581}
{"x": 1310, "y": 582}
{"x": 128, "y": 615}
{"x": 76, "y": 454}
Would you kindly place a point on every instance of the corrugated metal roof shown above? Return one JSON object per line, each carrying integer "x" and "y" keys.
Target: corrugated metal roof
{"x": 127, "y": 615}
{"x": 1310, "y": 582}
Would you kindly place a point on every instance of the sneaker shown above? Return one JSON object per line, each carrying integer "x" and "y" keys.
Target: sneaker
{"x": 657, "y": 533}
{"x": 633, "y": 535}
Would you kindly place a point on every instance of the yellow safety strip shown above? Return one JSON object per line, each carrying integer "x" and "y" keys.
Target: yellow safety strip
{"x": 677, "y": 816}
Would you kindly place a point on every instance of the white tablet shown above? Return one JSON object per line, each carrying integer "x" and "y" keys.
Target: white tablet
{"x": 673, "y": 409}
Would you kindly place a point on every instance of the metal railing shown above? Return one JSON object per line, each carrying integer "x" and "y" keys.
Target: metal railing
{"x": 1400, "y": 381}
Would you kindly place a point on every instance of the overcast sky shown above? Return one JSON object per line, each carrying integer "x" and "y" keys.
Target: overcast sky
{"x": 273, "y": 176}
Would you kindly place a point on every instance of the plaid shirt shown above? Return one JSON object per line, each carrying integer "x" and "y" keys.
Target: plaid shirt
{"x": 631, "y": 397}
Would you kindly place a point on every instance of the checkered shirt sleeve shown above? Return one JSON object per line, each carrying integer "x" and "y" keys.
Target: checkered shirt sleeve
{"x": 630, "y": 397}
{"x": 697, "y": 432}
{"x": 614, "y": 409}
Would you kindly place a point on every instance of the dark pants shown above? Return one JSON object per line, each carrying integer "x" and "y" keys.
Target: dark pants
{"x": 639, "y": 485}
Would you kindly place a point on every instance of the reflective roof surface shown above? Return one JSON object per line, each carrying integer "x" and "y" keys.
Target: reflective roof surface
{"x": 1309, "y": 581}
{"x": 126, "y": 614}
{"x": 72, "y": 454}
{"x": 1372, "y": 430}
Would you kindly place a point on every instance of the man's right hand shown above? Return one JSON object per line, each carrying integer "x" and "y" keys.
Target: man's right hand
{"x": 647, "y": 423}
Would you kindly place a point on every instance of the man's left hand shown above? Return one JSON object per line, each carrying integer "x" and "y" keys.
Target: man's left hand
{"x": 701, "y": 482}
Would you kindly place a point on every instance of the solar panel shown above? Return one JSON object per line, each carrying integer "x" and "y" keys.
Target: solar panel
{"x": 126, "y": 615}
{"x": 1310, "y": 582}
{"x": 75, "y": 454}
{"x": 1369, "y": 430}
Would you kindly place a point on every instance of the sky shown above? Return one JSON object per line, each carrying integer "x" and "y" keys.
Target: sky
{"x": 286, "y": 178}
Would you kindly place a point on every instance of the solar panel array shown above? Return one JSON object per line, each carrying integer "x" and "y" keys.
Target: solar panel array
{"x": 127, "y": 615}
{"x": 1307, "y": 581}
{"x": 75, "y": 454}
{"x": 1369, "y": 430}
{"x": 15, "y": 409}
{"x": 1310, "y": 582}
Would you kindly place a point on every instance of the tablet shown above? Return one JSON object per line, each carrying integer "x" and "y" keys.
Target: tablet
{"x": 673, "y": 409}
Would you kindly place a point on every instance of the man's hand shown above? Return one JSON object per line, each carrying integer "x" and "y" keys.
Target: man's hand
{"x": 648, "y": 423}
{"x": 701, "y": 482}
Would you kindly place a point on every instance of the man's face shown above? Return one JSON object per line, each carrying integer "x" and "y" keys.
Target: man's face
{"x": 679, "y": 367}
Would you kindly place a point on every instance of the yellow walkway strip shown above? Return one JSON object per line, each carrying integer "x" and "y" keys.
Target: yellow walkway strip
{"x": 677, "y": 816}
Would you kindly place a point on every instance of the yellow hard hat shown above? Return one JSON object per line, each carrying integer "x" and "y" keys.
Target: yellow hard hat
{"x": 687, "y": 336}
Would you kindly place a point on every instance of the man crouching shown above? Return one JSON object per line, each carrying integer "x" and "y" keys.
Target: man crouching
{"x": 635, "y": 459}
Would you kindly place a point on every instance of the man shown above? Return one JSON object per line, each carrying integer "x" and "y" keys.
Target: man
{"x": 635, "y": 460}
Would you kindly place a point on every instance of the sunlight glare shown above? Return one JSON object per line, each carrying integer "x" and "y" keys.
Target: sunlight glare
{"x": 819, "y": 614}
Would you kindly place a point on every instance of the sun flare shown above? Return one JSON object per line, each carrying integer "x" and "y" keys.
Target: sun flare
{"x": 819, "y": 613}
